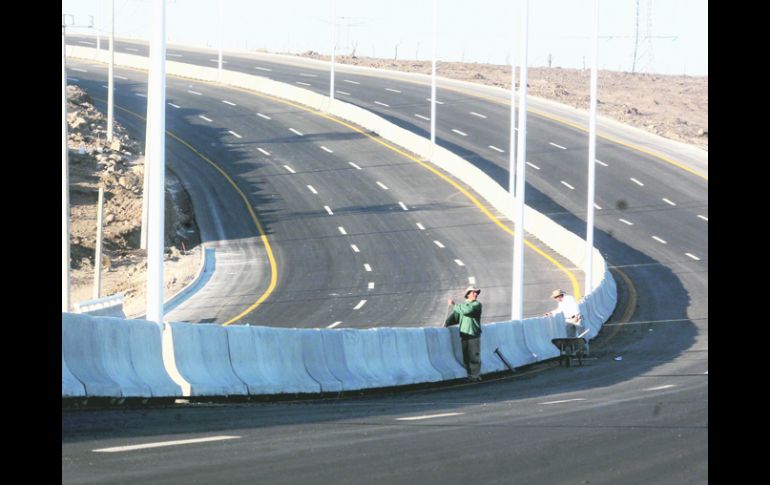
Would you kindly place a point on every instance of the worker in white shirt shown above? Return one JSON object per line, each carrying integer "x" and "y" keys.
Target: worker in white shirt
{"x": 569, "y": 307}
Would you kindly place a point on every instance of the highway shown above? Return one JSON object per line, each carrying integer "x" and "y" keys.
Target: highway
{"x": 638, "y": 413}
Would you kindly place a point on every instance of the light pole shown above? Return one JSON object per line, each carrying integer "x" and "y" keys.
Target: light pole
{"x": 433, "y": 83}
{"x": 157, "y": 146}
{"x": 334, "y": 47}
{"x": 518, "y": 239}
{"x": 65, "y": 198}
{"x": 111, "y": 72}
{"x": 592, "y": 152}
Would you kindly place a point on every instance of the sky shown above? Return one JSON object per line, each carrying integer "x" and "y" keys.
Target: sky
{"x": 654, "y": 36}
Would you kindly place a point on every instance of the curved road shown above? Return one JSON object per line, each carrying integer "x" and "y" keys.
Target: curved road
{"x": 638, "y": 413}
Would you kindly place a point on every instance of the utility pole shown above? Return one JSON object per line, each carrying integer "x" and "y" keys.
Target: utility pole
{"x": 65, "y": 197}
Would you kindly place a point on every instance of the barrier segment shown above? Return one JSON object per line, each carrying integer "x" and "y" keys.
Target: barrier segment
{"x": 82, "y": 352}
{"x": 538, "y": 334}
{"x": 441, "y": 353}
{"x": 398, "y": 369}
{"x": 203, "y": 359}
{"x": 146, "y": 347}
{"x": 365, "y": 357}
{"x": 70, "y": 385}
{"x": 412, "y": 350}
{"x": 314, "y": 361}
{"x": 269, "y": 360}
{"x": 337, "y": 361}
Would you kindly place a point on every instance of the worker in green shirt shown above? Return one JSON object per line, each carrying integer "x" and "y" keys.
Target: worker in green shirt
{"x": 468, "y": 316}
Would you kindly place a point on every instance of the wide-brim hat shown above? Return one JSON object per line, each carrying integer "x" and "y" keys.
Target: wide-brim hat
{"x": 556, "y": 293}
{"x": 472, "y": 288}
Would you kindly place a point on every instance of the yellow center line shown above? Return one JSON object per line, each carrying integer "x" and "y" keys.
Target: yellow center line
{"x": 262, "y": 234}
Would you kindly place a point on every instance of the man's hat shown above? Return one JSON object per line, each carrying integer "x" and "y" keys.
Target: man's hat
{"x": 472, "y": 288}
{"x": 556, "y": 293}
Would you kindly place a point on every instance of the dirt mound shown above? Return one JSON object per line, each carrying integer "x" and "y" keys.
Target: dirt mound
{"x": 119, "y": 168}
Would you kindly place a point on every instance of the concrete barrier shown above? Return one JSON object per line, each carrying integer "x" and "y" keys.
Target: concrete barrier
{"x": 203, "y": 359}
{"x": 70, "y": 385}
{"x": 269, "y": 360}
{"x": 82, "y": 349}
{"x": 365, "y": 357}
{"x": 337, "y": 361}
{"x": 145, "y": 346}
{"x": 537, "y": 332}
{"x": 441, "y": 353}
{"x": 412, "y": 352}
{"x": 399, "y": 370}
{"x": 315, "y": 363}
{"x": 491, "y": 339}
{"x": 514, "y": 347}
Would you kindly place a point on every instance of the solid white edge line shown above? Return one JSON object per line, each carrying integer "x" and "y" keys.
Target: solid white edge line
{"x": 429, "y": 416}
{"x": 563, "y": 401}
{"x": 658, "y": 388}
{"x": 163, "y": 443}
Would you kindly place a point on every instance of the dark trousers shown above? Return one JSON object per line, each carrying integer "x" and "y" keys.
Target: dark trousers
{"x": 471, "y": 354}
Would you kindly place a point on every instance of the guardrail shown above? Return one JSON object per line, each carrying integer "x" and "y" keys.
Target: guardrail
{"x": 224, "y": 363}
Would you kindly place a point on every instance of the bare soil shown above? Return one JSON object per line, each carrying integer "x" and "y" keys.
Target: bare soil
{"x": 675, "y": 107}
{"x": 119, "y": 168}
